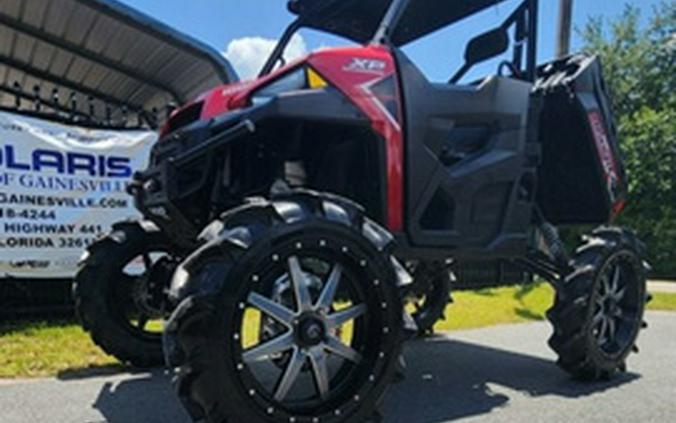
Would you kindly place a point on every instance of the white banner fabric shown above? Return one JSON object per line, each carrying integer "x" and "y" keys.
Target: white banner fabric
{"x": 61, "y": 187}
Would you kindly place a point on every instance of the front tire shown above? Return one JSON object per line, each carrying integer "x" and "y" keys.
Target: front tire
{"x": 291, "y": 313}
{"x": 599, "y": 306}
{"x": 112, "y": 292}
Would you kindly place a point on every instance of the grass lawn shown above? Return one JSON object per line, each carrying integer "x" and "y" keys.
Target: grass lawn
{"x": 35, "y": 349}
{"x": 663, "y": 302}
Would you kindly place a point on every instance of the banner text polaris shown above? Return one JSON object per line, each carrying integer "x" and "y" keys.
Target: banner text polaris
{"x": 61, "y": 187}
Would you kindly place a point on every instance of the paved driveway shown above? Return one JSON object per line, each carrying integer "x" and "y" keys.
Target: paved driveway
{"x": 500, "y": 374}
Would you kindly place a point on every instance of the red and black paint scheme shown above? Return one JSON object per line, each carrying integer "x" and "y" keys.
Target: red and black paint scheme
{"x": 353, "y": 89}
{"x": 366, "y": 76}
{"x": 445, "y": 167}
{"x": 349, "y": 164}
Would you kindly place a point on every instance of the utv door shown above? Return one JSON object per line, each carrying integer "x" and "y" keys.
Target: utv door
{"x": 470, "y": 177}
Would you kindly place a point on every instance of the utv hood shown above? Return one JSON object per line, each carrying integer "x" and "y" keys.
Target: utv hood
{"x": 358, "y": 20}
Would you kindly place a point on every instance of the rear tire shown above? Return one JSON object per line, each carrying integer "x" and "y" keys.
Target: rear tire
{"x": 103, "y": 296}
{"x": 253, "y": 250}
{"x": 432, "y": 293}
{"x": 599, "y": 306}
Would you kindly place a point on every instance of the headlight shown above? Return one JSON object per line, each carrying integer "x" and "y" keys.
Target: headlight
{"x": 304, "y": 78}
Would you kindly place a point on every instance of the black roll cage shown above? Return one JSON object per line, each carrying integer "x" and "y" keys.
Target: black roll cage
{"x": 524, "y": 20}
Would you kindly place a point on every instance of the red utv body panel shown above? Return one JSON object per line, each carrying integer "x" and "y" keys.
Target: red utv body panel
{"x": 353, "y": 71}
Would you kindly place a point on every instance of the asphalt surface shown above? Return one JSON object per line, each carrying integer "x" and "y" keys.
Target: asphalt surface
{"x": 668, "y": 287}
{"x": 499, "y": 374}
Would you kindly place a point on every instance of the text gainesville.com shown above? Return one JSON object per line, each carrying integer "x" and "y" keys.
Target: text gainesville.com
{"x": 52, "y": 201}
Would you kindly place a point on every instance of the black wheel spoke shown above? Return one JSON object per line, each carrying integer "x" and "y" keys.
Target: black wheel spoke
{"x": 300, "y": 285}
{"x": 278, "y": 345}
{"x": 273, "y": 309}
{"x": 612, "y": 327}
{"x": 619, "y": 295}
{"x": 345, "y": 316}
{"x": 337, "y": 347}
{"x": 329, "y": 292}
{"x": 142, "y": 321}
{"x": 147, "y": 262}
{"x": 290, "y": 375}
{"x": 615, "y": 283}
{"x": 320, "y": 371}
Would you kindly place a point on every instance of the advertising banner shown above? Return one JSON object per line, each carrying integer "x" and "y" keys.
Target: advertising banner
{"x": 61, "y": 187}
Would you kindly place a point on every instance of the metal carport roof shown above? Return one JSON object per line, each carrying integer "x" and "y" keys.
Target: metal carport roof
{"x": 99, "y": 60}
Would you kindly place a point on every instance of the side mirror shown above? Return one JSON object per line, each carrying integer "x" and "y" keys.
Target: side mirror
{"x": 487, "y": 46}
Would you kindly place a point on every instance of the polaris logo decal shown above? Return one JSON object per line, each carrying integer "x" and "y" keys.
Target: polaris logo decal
{"x": 371, "y": 66}
{"x": 604, "y": 151}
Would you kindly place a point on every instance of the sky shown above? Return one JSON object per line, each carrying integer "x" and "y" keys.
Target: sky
{"x": 245, "y": 31}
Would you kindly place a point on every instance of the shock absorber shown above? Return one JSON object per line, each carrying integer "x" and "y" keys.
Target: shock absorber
{"x": 553, "y": 244}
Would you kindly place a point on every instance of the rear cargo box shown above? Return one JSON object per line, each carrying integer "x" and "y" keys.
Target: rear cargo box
{"x": 582, "y": 178}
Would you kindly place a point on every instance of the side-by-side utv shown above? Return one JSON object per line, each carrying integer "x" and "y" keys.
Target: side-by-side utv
{"x": 291, "y": 219}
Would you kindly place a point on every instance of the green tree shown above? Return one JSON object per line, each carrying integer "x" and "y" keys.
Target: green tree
{"x": 640, "y": 69}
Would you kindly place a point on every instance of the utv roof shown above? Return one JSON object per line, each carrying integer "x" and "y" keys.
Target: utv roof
{"x": 101, "y": 49}
{"x": 358, "y": 20}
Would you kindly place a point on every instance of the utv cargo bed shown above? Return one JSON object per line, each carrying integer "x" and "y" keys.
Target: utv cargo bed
{"x": 582, "y": 179}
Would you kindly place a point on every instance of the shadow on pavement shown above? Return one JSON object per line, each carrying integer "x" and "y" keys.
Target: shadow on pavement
{"x": 445, "y": 380}
{"x": 143, "y": 399}
{"x": 94, "y": 371}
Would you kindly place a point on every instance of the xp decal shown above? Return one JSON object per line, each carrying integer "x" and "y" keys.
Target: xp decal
{"x": 362, "y": 65}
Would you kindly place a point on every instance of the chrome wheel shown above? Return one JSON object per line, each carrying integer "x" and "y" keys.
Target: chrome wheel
{"x": 616, "y": 304}
{"x": 144, "y": 280}
{"x": 120, "y": 292}
{"x": 598, "y": 309}
{"x": 290, "y": 314}
{"x": 309, "y": 332}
